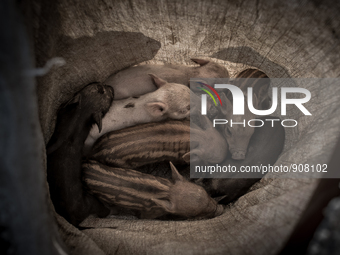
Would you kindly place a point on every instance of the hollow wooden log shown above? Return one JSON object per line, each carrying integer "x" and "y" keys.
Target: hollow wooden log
{"x": 283, "y": 39}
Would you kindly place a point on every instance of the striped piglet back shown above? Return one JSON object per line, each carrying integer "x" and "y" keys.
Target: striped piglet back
{"x": 152, "y": 196}
{"x": 125, "y": 187}
{"x": 144, "y": 144}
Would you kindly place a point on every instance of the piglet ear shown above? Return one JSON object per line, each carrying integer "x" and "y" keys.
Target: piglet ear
{"x": 204, "y": 122}
{"x": 158, "y": 81}
{"x": 176, "y": 176}
{"x": 74, "y": 100}
{"x": 156, "y": 109}
{"x": 98, "y": 120}
{"x": 200, "y": 61}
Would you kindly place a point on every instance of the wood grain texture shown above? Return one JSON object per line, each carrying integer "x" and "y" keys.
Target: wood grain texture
{"x": 284, "y": 39}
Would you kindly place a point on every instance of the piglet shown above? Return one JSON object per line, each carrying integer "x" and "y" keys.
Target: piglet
{"x": 239, "y": 134}
{"x": 134, "y": 81}
{"x": 152, "y": 196}
{"x": 161, "y": 141}
{"x": 74, "y": 121}
{"x": 169, "y": 101}
{"x": 265, "y": 147}
{"x": 143, "y": 144}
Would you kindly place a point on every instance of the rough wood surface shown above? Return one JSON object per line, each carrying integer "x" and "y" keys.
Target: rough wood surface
{"x": 26, "y": 213}
{"x": 282, "y": 38}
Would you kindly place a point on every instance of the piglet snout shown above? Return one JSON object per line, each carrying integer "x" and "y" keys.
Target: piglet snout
{"x": 238, "y": 155}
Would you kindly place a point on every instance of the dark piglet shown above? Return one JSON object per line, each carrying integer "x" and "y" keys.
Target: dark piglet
{"x": 265, "y": 147}
{"x": 74, "y": 121}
